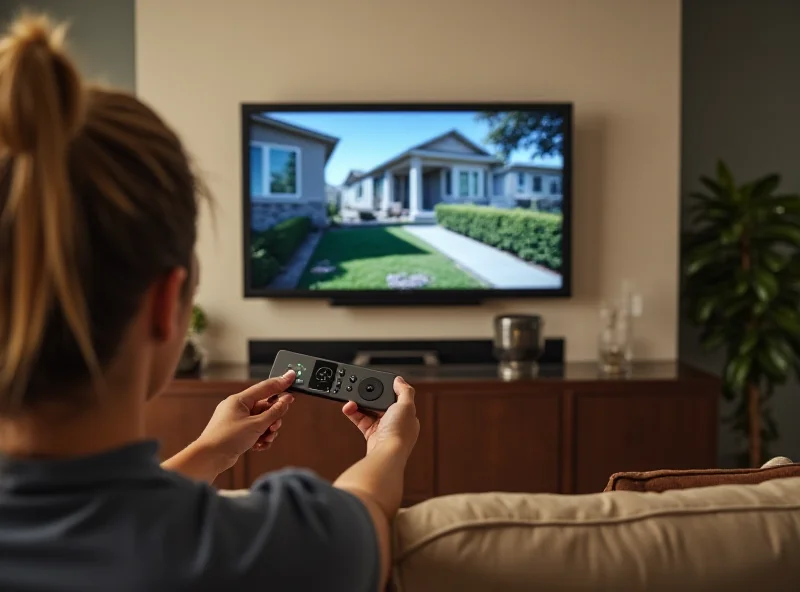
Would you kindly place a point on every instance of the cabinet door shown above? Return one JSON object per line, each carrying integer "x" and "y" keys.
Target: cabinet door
{"x": 498, "y": 439}
{"x": 176, "y": 421}
{"x": 662, "y": 427}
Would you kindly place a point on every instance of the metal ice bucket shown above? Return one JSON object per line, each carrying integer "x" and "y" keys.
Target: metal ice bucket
{"x": 517, "y": 344}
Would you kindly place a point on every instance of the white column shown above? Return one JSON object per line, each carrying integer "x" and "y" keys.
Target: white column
{"x": 388, "y": 191}
{"x": 415, "y": 187}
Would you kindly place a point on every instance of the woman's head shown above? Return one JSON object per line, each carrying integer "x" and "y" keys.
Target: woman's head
{"x": 98, "y": 209}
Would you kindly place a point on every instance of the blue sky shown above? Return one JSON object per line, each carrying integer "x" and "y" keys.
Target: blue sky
{"x": 369, "y": 139}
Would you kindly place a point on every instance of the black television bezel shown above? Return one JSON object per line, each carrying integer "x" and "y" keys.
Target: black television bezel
{"x": 411, "y": 297}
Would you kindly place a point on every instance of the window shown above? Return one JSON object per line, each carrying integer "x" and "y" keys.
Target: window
{"x": 537, "y": 184}
{"x": 470, "y": 183}
{"x": 359, "y": 190}
{"x": 256, "y": 170}
{"x": 520, "y": 182}
{"x": 448, "y": 182}
{"x": 274, "y": 170}
{"x": 554, "y": 188}
{"x": 463, "y": 184}
{"x": 377, "y": 187}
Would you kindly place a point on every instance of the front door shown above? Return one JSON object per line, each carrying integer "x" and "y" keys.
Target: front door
{"x": 401, "y": 191}
{"x": 431, "y": 190}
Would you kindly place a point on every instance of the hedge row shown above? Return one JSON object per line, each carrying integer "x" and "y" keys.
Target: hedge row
{"x": 272, "y": 248}
{"x": 533, "y": 236}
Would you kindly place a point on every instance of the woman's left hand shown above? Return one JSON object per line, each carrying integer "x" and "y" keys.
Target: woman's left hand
{"x": 249, "y": 420}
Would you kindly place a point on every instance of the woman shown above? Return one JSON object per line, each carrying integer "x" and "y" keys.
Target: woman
{"x": 98, "y": 208}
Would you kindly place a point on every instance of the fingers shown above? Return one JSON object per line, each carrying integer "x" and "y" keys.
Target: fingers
{"x": 267, "y": 438}
{"x": 266, "y": 388}
{"x": 264, "y": 404}
{"x": 272, "y": 413}
{"x": 404, "y": 391}
{"x": 360, "y": 419}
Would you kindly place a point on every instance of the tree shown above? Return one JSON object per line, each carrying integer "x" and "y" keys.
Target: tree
{"x": 742, "y": 289}
{"x": 538, "y": 131}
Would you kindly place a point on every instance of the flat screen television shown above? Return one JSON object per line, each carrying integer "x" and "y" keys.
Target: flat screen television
{"x": 413, "y": 203}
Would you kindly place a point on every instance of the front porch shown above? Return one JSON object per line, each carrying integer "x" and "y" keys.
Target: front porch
{"x": 412, "y": 189}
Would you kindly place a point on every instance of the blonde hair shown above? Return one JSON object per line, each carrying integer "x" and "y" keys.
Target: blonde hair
{"x": 97, "y": 200}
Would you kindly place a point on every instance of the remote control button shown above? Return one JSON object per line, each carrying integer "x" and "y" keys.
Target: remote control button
{"x": 353, "y": 378}
{"x": 336, "y": 390}
{"x": 338, "y": 383}
{"x": 349, "y": 388}
{"x": 324, "y": 374}
{"x": 370, "y": 389}
{"x": 341, "y": 371}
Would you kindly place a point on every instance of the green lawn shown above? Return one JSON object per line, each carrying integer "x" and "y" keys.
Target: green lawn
{"x": 363, "y": 257}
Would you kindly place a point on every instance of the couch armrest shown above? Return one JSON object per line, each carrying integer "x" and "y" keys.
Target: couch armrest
{"x": 664, "y": 480}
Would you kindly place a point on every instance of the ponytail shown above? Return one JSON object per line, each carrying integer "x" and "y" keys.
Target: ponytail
{"x": 42, "y": 108}
{"x": 98, "y": 201}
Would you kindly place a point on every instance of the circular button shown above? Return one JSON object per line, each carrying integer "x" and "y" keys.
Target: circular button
{"x": 370, "y": 389}
{"x": 349, "y": 388}
{"x": 353, "y": 378}
{"x": 341, "y": 371}
{"x": 324, "y": 374}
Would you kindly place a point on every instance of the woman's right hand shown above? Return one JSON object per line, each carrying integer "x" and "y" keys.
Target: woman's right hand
{"x": 398, "y": 426}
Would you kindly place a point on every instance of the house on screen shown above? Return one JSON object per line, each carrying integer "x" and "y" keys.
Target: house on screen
{"x": 449, "y": 168}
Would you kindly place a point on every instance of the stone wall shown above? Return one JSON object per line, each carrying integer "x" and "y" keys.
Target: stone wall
{"x": 267, "y": 215}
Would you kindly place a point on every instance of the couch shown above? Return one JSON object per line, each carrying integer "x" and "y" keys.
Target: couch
{"x": 665, "y": 530}
{"x": 659, "y": 531}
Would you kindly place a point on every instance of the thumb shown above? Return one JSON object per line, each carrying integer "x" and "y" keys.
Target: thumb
{"x": 266, "y": 388}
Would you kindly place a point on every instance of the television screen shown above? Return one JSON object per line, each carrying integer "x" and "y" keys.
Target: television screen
{"x": 372, "y": 200}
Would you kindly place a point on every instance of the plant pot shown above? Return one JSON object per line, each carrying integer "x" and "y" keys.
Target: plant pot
{"x": 193, "y": 358}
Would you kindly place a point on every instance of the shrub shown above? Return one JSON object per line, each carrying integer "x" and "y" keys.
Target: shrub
{"x": 274, "y": 247}
{"x": 282, "y": 240}
{"x": 263, "y": 269}
{"x": 532, "y": 236}
{"x": 366, "y": 216}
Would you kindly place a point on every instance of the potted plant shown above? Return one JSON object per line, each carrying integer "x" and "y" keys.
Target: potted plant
{"x": 194, "y": 356}
{"x": 742, "y": 289}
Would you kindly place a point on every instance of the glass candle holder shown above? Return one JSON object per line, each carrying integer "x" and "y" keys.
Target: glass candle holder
{"x": 615, "y": 352}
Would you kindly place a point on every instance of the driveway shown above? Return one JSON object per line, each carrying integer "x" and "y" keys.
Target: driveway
{"x": 497, "y": 268}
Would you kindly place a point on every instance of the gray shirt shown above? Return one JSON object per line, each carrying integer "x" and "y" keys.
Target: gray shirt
{"x": 118, "y": 522}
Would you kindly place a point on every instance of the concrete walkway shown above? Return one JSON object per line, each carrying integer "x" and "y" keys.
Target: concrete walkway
{"x": 497, "y": 268}
{"x": 290, "y": 276}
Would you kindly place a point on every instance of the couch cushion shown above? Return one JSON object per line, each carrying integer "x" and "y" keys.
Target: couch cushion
{"x": 673, "y": 479}
{"x": 727, "y": 538}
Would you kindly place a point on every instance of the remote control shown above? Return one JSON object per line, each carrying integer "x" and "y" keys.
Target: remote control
{"x": 370, "y": 389}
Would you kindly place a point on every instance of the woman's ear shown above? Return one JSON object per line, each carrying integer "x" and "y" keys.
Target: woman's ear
{"x": 169, "y": 304}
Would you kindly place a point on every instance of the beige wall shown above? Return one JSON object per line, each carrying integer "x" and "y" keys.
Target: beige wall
{"x": 618, "y": 60}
